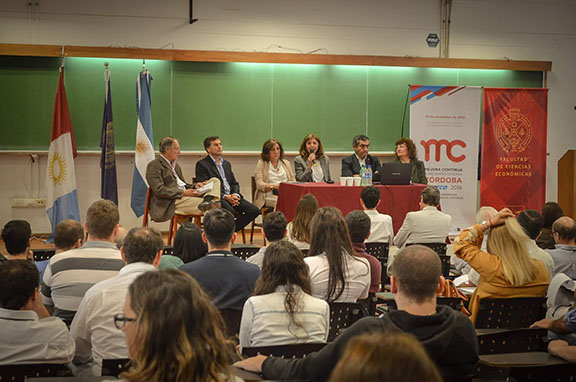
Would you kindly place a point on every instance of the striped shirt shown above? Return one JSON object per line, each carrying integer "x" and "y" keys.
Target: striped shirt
{"x": 70, "y": 274}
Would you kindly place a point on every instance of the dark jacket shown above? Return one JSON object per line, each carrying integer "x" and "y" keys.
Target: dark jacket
{"x": 448, "y": 336}
{"x": 351, "y": 166}
{"x": 418, "y": 171}
{"x": 206, "y": 169}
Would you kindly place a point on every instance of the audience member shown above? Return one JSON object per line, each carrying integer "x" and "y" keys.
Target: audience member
{"x": 282, "y": 311}
{"x": 188, "y": 243}
{"x": 428, "y": 225}
{"x": 227, "y": 279}
{"x": 381, "y": 229}
{"x": 564, "y": 254}
{"x": 68, "y": 234}
{"x": 352, "y": 165}
{"x": 70, "y": 274}
{"x": 447, "y": 335}
{"x": 120, "y": 237}
{"x": 507, "y": 270}
{"x": 561, "y": 326}
{"x": 173, "y": 331}
{"x": 271, "y": 170}
{"x": 28, "y": 333}
{"x": 312, "y": 165}
{"x": 359, "y": 227}
{"x": 298, "y": 230}
{"x": 16, "y": 235}
{"x": 170, "y": 192}
{"x": 214, "y": 166}
{"x": 274, "y": 225}
{"x": 93, "y": 327}
{"x": 385, "y": 357}
{"x": 336, "y": 274}
{"x": 406, "y": 153}
{"x": 485, "y": 213}
{"x": 551, "y": 211}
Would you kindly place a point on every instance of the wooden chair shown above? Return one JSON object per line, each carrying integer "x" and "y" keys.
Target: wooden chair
{"x": 19, "y": 373}
{"x": 114, "y": 367}
{"x": 343, "y": 315}
{"x": 232, "y": 319}
{"x": 510, "y": 313}
{"x": 244, "y": 252}
{"x": 439, "y": 248}
{"x": 263, "y": 212}
{"x": 283, "y": 351}
{"x": 378, "y": 250}
{"x": 43, "y": 254}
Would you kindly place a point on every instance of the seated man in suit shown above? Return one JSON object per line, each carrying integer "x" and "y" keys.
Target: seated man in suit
{"x": 564, "y": 254}
{"x": 170, "y": 192}
{"x": 351, "y": 165}
{"x": 214, "y": 166}
{"x": 227, "y": 279}
{"x": 427, "y": 225}
{"x": 447, "y": 335}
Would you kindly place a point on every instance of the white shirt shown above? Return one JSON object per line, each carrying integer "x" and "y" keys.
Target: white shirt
{"x": 277, "y": 176}
{"x": 317, "y": 173}
{"x": 426, "y": 226}
{"x": 381, "y": 229}
{"x": 181, "y": 184}
{"x": 356, "y": 276}
{"x": 93, "y": 327}
{"x": 265, "y": 321}
{"x": 26, "y": 339}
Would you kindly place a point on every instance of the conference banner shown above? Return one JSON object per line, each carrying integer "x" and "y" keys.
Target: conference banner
{"x": 444, "y": 125}
{"x": 514, "y": 148}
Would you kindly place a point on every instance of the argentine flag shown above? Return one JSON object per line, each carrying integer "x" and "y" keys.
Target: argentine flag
{"x": 144, "y": 152}
{"x": 61, "y": 193}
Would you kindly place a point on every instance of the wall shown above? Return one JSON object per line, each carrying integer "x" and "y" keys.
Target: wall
{"x": 490, "y": 29}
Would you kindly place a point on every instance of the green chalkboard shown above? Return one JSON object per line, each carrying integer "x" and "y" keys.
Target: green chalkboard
{"x": 244, "y": 104}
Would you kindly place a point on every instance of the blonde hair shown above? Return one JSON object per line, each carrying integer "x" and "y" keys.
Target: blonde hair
{"x": 508, "y": 242}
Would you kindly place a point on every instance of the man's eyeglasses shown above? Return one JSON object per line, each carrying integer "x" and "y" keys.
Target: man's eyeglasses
{"x": 120, "y": 320}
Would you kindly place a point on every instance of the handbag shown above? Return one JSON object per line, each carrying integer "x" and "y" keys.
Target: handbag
{"x": 450, "y": 290}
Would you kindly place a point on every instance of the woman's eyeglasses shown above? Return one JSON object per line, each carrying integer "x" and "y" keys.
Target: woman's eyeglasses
{"x": 120, "y": 320}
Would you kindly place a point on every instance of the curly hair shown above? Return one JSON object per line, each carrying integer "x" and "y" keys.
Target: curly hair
{"x": 304, "y": 151}
{"x": 409, "y": 145}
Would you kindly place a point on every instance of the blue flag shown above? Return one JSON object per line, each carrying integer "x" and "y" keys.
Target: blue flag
{"x": 109, "y": 188}
{"x": 144, "y": 152}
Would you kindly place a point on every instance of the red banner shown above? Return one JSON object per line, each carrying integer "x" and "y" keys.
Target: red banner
{"x": 514, "y": 148}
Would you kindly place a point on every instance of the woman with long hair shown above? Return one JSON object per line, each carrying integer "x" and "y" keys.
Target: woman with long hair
{"x": 336, "y": 274}
{"x": 188, "y": 243}
{"x": 406, "y": 153}
{"x": 173, "y": 331}
{"x": 551, "y": 211}
{"x": 282, "y": 311}
{"x": 507, "y": 269}
{"x": 271, "y": 170}
{"x": 312, "y": 165}
{"x": 298, "y": 230}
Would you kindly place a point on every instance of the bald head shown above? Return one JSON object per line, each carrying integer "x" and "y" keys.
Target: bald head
{"x": 417, "y": 270}
{"x": 564, "y": 230}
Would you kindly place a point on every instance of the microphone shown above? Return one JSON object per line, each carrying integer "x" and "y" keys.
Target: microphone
{"x": 314, "y": 161}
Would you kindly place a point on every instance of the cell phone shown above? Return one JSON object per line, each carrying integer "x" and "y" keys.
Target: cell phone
{"x": 330, "y": 181}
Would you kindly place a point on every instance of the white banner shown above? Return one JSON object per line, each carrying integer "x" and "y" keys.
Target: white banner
{"x": 445, "y": 125}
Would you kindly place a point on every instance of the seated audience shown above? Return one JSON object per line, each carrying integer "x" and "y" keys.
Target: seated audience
{"x": 120, "y": 237}
{"x": 227, "y": 279}
{"x": 188, "y": 243}
{"x": 282, "y": 312}
{"x": 551, "y": 211}
{"x": 68, "y": 234}
{"x": 336, "y": 274}
{"x": 381, "y": 229}
{"x": 271, "y": 170}
{"x": 564, "y": 325}
{"x": 564, "y": 253}
{"x": 406, "y": 153}
{"x": 274, "y": 225}
{"x": 70, "y": 274}
{"x": 16, "y": 235}
{"x": 447, "y": 335}
{"x": 173, "y": 331}
{"x": 27, "y": 332}
{"x": 482, "y": 215}
{"x": 385, "y": 357}
{"x": 93, "y": 327}
{"x": 352, "y": 165}
{"x": 507, "y": 270}
{"x": 359, "y": 227}
{"x": 428, "y": 225}
{"x": 312, "y": 165}
{"x": 298, "y": 230}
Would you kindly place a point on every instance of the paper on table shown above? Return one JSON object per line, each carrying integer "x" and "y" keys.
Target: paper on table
{"x": 461, "y": 280}
{"x": 206, "y": 188}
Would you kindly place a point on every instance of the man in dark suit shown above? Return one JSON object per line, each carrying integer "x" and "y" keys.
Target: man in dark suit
{"x": 214, "y": 166}
{"x": 351, "y": 165}
{"x": 170, "y": 192}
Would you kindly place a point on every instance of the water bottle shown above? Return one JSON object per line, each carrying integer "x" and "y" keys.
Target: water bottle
{"x": 367, "y": 176}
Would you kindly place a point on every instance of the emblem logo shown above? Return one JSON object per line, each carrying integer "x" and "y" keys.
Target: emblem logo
{"x": 57, "y": 169}
{"x": 514, "y": 132}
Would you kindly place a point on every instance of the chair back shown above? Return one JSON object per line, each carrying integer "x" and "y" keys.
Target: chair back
{"x": 378, "y": 250}
{"x": 168, "y": 250}
{"x": 370, "y": 303}
{"x": 232, "y": 319}
{"x": 510, "y": 313}
{"x": 244, "y": 252}
{"x": 439, "y": 248}
{"x": 114, "y": 367}
{"x": 43, "y": 254}
{"x": 147, "y": 208}
{"x": 19, "y": 373}
{"x": 512, "y": 341}
{"x": 283, "y": 351}
{"x": 445, "y": 265}
{"x": 342, "y": 316}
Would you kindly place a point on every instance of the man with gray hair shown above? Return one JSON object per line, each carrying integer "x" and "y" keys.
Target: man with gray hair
{"x": 352, "y": 165}
{"x": 564, "y": 253}
{"x": 427, "y": 225}
{"x": 170, "y": 192}
{"x": 93, "y": 327}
